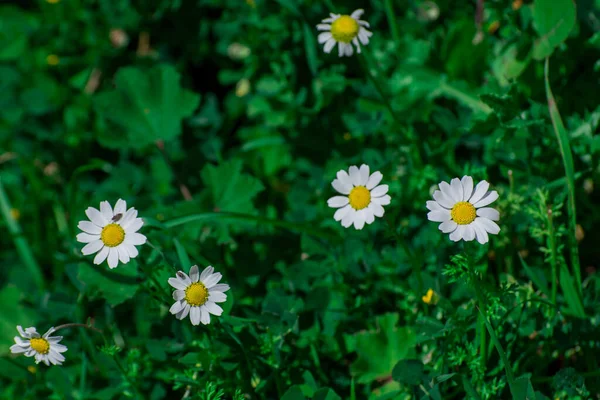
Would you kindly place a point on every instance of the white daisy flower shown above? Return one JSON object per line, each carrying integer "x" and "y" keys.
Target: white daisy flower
{"x": 111, "y": 233}
{"x": 462, "y": 211}
{"x": 363, "y": 200}
{"x": 344, "y": 29}
{"x": 197, "y": 295}
{"x": 45, "y": 348}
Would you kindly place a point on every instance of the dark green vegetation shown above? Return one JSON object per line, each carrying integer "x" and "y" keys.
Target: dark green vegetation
{"x": 224, "y": 123}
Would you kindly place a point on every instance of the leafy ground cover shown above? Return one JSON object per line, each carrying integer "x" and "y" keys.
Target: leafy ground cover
{"x": 236, "y": 134}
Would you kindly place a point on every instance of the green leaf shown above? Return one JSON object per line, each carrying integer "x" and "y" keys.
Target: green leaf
{"x": 409, "y": 372}
{"x": 231, "y": 189}
{"x": 310, "y": 48}
{"x": 293, "y": 393}
{"x": 326, "y": 394}
{"x": 553, "y": 20}
{"x": 18, "y": 315}
{"x": 522, "y": 389}
{"x": 380, "y": 350}
{"x": 147, "y": 105}
{"x": 116, "y": 285}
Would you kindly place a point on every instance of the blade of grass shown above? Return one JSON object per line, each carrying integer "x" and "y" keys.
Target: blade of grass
{"x": 392, "y": 22}
{"x": 23, "y": 248}
{"x": 565, "y": 150}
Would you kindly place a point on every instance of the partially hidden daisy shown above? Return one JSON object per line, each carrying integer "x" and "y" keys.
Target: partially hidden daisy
{"x": 343, "y": 30}
{"x": 196, "y": 294}
{"x": 363, "y": 198}
{"x": 462, "y": 211}
{"x": 112, "y": 233}
{"x": 45, "y": 348}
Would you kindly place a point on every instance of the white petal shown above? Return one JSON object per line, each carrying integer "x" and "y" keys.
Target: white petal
{"x": 458, "y": 233}
{"x": 341, "y": 212}
{"x": 344, "y": 178}
{"x": 92, "y": 247}
{"x": 123, "y": 255}
{"x": 341, "y": 49}
{"x": 120, "y": 207}
{"x": 21, "y": 342}
{"x": 357, "y": 13}
{"x": 448, "y": 192}
{"x": 357, "y": 44}
{"x": 206, "y": 273}
{"x": 23, "y": 333}
{"x": 133, "y": 225}
{"x": 183, "y": 313}
{"x": 457, "y": 189}
{"x": 101, "y": 256}
{"x": 433, "y": 205}
{"x": 213, "y": 308}
{"x": 354, "y": 175}
{"x": 184, "y": 278}
{"x": 369, "y": 215}
{"x": 378, "y": 210}
{"x": 113, "y": 258}
{"x": 324, "y": 36}
{"x": 89, "y": 227}
{"x": 359, "y": 220}
{"x": 443, "y": 200}
{"x": 178, "y": 294}
{"x": 489, "y": 198}
{"x": 448, "y": 226}
{"x": 348, "y": 50}
{"x": 480, "y": 190}
{"x": 379, "y": 191}
{"x": 194, "y": 273}
{"x": 205, "y": 316}
{"x": 341, "y": 187}
{"x": 337, "y": 201}
{"x": 489, "y": 225}
{"x": 195, "y": 315}
{"x": 329, "y": 45}
{"x": 438, "y": 215}
{"x": 324, "y": 27}
{"x": 469, "y": 233}
{"x": 133, "y": 252}
{"x": 467, "y": 183}
{"x": 135, "y": 238}
{"x": 482, "y": 236}
{"x": 96, "y": 217}
{"x": 364, "y": 172}
{"x": 87, "y": 238}
{"x": 363, "y": 35}
{"x": 349, "y": 218}
{"x": 16, "y": 349}
{"x": 217, "y": 297}
{"x": 176, "y": 307}
{"x": 59, "y": 348}
{"x": 106, "y": 210}
{"x": 128, "y": 217}
{"x": 489, "y": 213}
{"x": 384, "y": 201}
{"x": 374, "y": 180}
{"x": 220, "y": 287}
{"x": 212, "y": 280}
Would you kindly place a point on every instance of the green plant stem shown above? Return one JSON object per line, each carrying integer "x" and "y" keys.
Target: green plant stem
{"x": 562, "y": 137}
{"x": 482, "y": 340}
{"x": 553, "y": 259}
{"x": 391, "y": 17}
{"x": 482, "y": 310}
{"x": 20, "y": 241}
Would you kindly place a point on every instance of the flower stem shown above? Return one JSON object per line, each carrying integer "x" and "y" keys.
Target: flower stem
{"x": 553, "y": 258}
{"x": 483, "y": 311}
{"x": 74, "y": 325}
{"x": 391, "y": 16}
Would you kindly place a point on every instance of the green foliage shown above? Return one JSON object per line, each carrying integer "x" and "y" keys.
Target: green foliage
{"x": 224, "y": 123}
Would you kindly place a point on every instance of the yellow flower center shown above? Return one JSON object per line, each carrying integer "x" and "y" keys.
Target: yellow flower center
{"x": 196, "y": 294}
{"x": 112, "y": 235}
{"x": 360, "y": 197}
{"x": 40, "y": 345}
{"x": 463, "y": 213}
{"x": 344, "y": 29}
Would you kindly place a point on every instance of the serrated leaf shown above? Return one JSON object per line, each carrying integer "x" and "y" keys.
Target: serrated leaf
{"x": 389, "y": 342}
{"x": 553, "y": 20}
{"x": 230, "y": 188}
{"x": 146, "y": 105}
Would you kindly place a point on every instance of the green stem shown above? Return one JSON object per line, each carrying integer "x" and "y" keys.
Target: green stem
{"x": 553, "y": 258}
{"x": 482, "y": 341}
{"x": 391, "y": 16}
{"x": 565, "y": 150}
{"x": 483, "y": 311}
{"x": 23, "y": 248}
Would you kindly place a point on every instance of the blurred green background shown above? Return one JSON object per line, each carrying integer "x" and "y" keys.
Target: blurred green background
{"x": 224, "y": 123}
